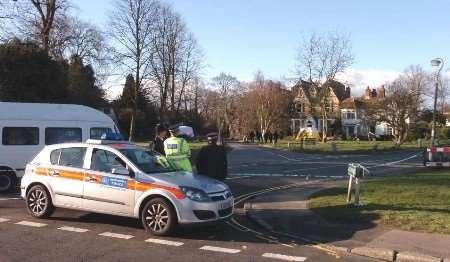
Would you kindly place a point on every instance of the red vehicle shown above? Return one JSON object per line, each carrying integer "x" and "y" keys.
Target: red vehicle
{"x": 437, "y": 157}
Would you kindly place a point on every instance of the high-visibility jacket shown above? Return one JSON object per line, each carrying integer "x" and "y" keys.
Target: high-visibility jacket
{"x": 178, "y": 153}
{"x": 162, "y": 160}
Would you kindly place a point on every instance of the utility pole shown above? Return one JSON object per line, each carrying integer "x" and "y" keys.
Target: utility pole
{"x": 437, "y": 62}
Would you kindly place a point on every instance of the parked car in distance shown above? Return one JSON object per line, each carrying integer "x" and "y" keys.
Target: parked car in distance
{"x": 120, "y": 178}
{"x": 25, "y": 128}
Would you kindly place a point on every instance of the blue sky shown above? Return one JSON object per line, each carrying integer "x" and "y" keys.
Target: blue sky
{"x": 242, "y": 36}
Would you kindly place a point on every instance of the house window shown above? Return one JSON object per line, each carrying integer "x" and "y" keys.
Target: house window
{"x": 329, "y": 107}
{"x": 348, "y": 115}
{"x": 300, "y": 108}
{"x": 390, "y": 131}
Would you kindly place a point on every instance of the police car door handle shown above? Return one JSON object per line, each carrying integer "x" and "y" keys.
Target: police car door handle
{"x": 54, "y": 172}
{"x": 91, "y": 179}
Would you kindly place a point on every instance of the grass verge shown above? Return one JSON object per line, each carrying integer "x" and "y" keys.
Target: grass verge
{"x": 349, "y": 146}
{"x": 418, "y": 202}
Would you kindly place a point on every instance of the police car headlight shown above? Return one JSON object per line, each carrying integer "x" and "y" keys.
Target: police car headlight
{"x": 195, "y": 194}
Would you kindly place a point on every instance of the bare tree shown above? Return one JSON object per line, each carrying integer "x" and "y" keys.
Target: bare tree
{"x": 35, "y": 19}
{"x": 225, "y": 86}
{"x": 320, "y": 59}
{"x": 176, "y": 58}
{"x": 404, "y": 99}
{"x": 5, "y": 10}
{"x": 131, "y": 26}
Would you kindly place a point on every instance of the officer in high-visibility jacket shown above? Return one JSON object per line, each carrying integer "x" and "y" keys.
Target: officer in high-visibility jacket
{"x": 177, "y": 150}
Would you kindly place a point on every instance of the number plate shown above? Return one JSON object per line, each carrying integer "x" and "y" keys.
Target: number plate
{"x": 225, "y": 205}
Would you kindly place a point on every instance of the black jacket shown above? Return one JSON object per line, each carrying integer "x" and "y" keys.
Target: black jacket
{"x": 158, "y": 145}
{"x": 212, "y": 162}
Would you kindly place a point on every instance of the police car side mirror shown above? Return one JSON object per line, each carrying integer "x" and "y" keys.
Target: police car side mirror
{"x": 120, "y": 171}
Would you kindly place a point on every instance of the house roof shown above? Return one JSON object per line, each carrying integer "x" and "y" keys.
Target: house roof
{"x": 338, "y": 88}
{"x": 358, "y": 103}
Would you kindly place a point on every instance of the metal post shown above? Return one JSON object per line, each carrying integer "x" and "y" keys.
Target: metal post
{"x": 357, "y": 186}
{"x": 433, "y": 127}
{"x": 349, "y": 192}
{"x": 437, "y": 62}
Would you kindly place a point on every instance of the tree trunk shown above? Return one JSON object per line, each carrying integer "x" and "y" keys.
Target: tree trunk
{"x": 132, "y": 119}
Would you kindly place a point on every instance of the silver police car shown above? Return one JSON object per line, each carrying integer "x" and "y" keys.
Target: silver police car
{"x": 120, "y": 178}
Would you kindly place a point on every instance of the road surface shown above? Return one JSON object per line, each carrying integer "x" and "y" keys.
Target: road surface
{"x": 81, "y": 236}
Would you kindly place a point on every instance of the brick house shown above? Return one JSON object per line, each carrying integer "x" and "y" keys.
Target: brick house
{"x": 354, "y": 119}
{"x": 306, "y": 111}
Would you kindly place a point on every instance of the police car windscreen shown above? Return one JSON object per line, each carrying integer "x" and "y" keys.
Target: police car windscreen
{"x": 145, "y": 160}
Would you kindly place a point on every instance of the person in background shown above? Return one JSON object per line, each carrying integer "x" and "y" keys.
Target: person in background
{"x": 252, "y": 137}
{"x": 177, "y": 150}
{"x": 269, "y": 135}
{"x": 258, "y": 136}
{"x": 161, "y": 134}
{"x": 275, "y": 137}
{"x": 212, "y": 159}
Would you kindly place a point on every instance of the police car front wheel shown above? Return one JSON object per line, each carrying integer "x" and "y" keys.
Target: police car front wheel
{"x": 39, "y": 202}
{"x": 158, "y": 217}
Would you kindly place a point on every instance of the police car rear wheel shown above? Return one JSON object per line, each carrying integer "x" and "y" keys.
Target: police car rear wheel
{"x": 158, "y": 217}
{"x": 39, "y": 203}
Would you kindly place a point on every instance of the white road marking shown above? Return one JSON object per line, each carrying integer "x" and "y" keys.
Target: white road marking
{"x": 283, "y": 257}
{"x": 11, "y": 198}
{"x": 74, "y": 229}
{"x": 3, "y": 219}
{"x": 220, "y": 249}
{"x": 30, "y": 224}
{"x": 236, "y": 177}
{"x": 164, "y": 242}
{"x": 115, "y": 235}
{"x": 394, "y": 162}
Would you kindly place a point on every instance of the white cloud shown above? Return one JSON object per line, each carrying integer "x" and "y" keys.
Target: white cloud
{"x": 113, "y": 86}
{"x": 358, "y": 80}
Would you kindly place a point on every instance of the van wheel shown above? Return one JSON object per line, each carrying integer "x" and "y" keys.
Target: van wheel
{"x": 39, "y": 202}
{"x": 8, "y": 181}
{"x": 158, "y": 217}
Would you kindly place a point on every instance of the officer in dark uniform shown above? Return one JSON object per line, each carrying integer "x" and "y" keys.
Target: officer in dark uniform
{"x": 161, "y": 134}
{"x": 212, "y": 159}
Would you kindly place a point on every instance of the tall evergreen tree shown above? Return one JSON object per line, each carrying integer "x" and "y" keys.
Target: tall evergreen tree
{"x": 82, "y": 87}
{"x": 28, "y": 74}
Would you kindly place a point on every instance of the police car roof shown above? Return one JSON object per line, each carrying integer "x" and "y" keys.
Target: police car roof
{"x": 118, "y": 144}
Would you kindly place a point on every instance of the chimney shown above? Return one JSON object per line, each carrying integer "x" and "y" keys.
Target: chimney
{"x": 382, "y": 92}
{"x": 367, "y": 93}
{"x": 347, "y": 92}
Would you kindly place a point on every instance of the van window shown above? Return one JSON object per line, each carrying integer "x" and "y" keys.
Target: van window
{"x": 72, "y": 157}
{"x": 56, "y": 135}
{"x": 20, "y": 136}
{"x": 97, "y": 132}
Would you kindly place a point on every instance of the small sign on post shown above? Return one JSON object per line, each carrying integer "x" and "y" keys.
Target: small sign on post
{"x": 355, "y": 173}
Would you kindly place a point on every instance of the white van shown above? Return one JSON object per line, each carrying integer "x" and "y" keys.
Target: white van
{"x": 25, "y": 128}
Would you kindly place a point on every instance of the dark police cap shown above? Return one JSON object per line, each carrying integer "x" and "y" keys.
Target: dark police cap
{"x": 211, "y": 136}
{"x": 174, "y": 127}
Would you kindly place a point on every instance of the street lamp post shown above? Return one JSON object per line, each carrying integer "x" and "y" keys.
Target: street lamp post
{"x": 437, "y": 62}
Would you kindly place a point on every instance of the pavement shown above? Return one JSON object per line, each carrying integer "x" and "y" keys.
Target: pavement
{"x": 254, "y": 173}
{"x": 285, "y": 213}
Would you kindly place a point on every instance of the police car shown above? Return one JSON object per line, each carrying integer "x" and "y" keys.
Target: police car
{"x": 120, "y": 178}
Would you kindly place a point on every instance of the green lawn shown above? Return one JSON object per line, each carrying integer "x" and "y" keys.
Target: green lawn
{"x": 417, "y": 202}
{"x": 348, "y": 146}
